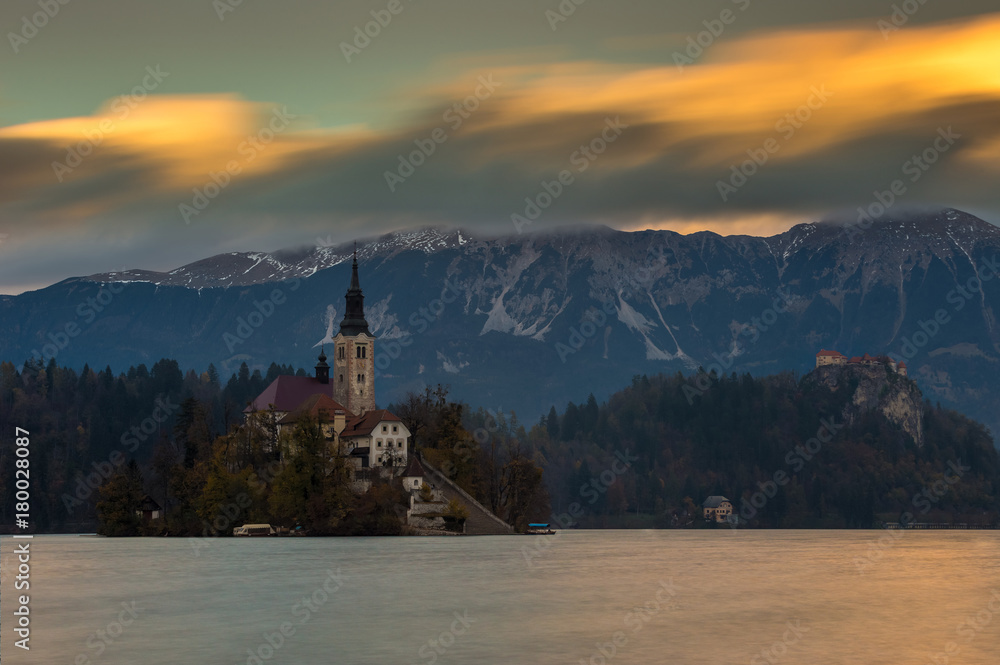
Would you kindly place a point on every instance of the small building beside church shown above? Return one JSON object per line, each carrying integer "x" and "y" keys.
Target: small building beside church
{"x": 413, "y": 476}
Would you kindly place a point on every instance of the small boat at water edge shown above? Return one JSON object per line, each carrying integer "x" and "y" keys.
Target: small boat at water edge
{"x": 539, "y": 530}
{"x": 253, "y": 530}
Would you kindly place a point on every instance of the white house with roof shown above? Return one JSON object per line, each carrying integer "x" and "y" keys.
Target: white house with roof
{"x": 717, "y": 508}
{"x": 413, "y": 476}
{"x": 379, "y": 438}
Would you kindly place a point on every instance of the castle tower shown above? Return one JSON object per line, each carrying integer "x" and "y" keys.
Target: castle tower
{"x": 354, "y": 353}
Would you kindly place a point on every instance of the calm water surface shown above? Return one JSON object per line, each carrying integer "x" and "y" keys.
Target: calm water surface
{"x": 602, "y": 597}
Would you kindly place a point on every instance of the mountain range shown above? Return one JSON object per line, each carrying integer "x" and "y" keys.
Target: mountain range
{"x": 526, "y": 321}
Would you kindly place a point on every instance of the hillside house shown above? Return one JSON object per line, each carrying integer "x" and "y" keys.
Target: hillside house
{"x": 717, "y": 508}
{"x": 149, "y": 510}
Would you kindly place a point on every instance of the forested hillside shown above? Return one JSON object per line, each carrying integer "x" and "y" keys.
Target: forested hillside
{"x": 84, "y": 424}
{"x": 836, "y": 448}
{"x": 738, "y": 436}
{"x": 101, "y": 442}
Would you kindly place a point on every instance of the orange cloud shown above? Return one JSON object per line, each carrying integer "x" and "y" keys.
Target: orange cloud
{"x": 686, "y": 126}
{"x": 182, "y": 137}
{"x": 734, "y": 98}
{"x": 174, "y": 142}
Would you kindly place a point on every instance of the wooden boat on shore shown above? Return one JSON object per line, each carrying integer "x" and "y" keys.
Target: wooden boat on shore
{"x": 539, "y": 529}
{"x": 254, "y": 530}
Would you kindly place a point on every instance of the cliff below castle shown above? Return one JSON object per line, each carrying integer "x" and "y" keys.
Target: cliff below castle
{"x": 841, "y": 447}
{"x": 875, "y": 388}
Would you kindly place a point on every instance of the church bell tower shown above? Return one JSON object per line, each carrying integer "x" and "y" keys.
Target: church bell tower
{"x": 354, "y": 353}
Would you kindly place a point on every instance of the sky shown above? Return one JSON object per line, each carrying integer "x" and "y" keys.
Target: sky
{"x": 141, "y": 134}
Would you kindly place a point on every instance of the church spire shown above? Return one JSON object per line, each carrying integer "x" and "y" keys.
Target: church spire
{"x": 354, "y": 315}
{"x": 354, "y": 353}
{"x": 355, "y": 283}
{"x": 322, "y": 369}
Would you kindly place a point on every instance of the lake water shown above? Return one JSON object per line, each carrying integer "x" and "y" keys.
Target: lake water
{"x": 602, "y": 597}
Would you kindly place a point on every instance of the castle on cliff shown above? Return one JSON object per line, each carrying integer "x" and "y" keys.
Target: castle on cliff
{"x": 825, "y": 357}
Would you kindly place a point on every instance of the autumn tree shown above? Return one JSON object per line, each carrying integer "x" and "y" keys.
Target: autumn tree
{"x": 121, "y": 502}
{"x": 192, "y": 431}
{"x": 313, "y": 487}
{"x": 163, "y": 463}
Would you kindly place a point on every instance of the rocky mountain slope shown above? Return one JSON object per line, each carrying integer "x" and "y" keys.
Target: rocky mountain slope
{"x": 526, "y": 321}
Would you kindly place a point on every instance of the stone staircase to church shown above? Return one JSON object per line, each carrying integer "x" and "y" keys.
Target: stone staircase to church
{"x": 481, "y": 522}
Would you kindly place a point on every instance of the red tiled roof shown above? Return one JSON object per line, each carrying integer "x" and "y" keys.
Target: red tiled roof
{"x": 364, "y": 425}
{"x": 414, "y": 469}
{"x": 831, "y": 354}
{"x": 855, "y": 359}
{"x": 286, "y": 393}
{"x": 312, "y": 406}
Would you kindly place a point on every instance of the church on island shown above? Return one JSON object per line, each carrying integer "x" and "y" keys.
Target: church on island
{"x": 373, "y": 440}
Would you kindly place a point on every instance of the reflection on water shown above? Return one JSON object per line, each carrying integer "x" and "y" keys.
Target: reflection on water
{"x": 684, "y": 597}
